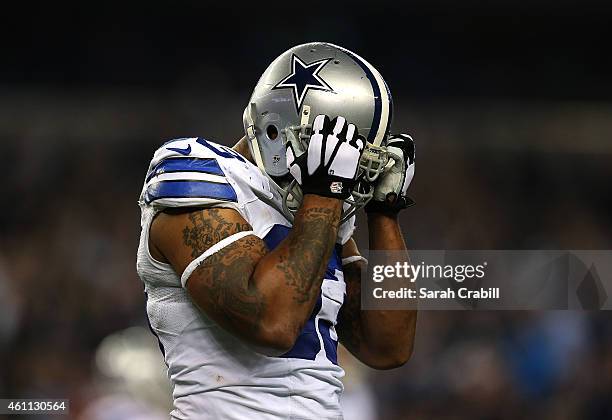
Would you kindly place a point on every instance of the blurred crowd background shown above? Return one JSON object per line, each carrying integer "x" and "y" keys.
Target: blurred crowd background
{"x": 510, "y": 105}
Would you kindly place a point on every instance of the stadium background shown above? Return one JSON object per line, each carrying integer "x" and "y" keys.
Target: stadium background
{"x": 511, "y": 107}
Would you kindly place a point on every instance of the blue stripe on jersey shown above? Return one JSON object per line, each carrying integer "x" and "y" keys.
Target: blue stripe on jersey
{"x": 190, "y": 189}
{"x": 177, "y": 164}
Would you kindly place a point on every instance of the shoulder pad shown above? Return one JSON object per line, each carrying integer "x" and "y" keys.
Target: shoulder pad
{"x": 185, "y": 174}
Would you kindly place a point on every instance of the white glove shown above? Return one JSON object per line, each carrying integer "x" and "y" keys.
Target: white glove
{"x": 329, "y": 166}
{"x": 391, "y": 186}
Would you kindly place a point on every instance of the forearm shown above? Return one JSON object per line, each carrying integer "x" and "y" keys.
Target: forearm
{"x": 392, "y": 330}
{"x": 290, "y": 276}
{"x": 380, "y": 339}
{"x": 384, "y": 233}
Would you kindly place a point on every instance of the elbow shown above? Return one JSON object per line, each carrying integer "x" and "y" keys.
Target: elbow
{"x": 392, "y": 360}
{"x": 391, "y": 363}
{"x": 274, "y": 347}
{"x": 275, "y": 340}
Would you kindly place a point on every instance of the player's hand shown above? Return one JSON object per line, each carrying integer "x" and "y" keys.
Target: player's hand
{"x": 329, "y": 166}
{"x": 391, "y": 186}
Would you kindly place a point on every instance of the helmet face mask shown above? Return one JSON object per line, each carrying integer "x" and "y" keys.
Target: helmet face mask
{"x": 373, "y": 162}
{"x": 309, "y": 80}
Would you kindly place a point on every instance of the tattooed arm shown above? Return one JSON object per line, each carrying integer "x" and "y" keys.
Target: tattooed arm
{"x": 380, "y": 339}
{"x": 264, "y": 297}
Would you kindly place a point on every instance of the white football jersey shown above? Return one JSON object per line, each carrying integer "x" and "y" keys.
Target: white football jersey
{"x": 214, "y": 374}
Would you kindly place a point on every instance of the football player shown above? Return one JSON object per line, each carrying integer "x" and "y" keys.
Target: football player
{"x": 250, "y": 272}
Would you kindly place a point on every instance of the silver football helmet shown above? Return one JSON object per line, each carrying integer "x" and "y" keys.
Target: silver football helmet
{"x": 303, "y": 82}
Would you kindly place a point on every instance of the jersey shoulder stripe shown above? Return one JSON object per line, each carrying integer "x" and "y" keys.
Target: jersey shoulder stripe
{"x": 186, "y": 164}
{"x": 193, "y": 189}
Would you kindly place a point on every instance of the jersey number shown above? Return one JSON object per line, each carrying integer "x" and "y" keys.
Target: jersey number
{"x": 222, "y": 151}
{"x": 318, "y": 337}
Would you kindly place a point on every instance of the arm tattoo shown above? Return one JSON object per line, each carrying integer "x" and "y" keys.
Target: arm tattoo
{"x": 229, "y": 293}
{"x": 310, "y": 244}
{"x": 224, "y": 286}
{"x": 225, "y": 275}
{"x": 349, "y": 322}
{"x": 207, "y": 229}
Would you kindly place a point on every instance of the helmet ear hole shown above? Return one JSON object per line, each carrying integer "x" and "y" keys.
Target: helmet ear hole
{"x": 272, "y": 132}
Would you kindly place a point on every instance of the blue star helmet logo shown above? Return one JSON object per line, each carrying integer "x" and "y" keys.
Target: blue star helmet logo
{"x": 304, "y": 77}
